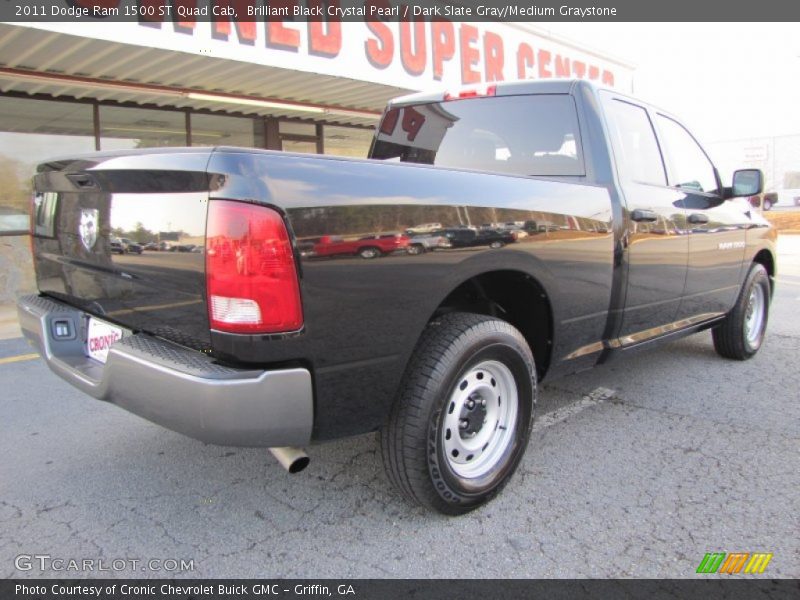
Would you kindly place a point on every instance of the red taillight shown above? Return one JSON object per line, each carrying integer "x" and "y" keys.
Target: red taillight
{"x": 490, "y": 90}
{"x": 250, "y": 270}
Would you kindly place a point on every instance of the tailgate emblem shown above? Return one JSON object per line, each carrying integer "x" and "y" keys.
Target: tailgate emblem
{"x": 88, "y": 227}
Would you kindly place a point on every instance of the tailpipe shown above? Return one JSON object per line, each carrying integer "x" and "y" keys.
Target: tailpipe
{"x": 292, "y": 459}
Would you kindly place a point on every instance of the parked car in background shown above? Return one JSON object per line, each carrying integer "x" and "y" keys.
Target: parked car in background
{"x": 423, "y": 228}
{"x": 465, "y": 238}
{"x": 764, "y": 201}
{"x": 370, "y": 246}
{"x": 151, "y": 246}
{"x": 131, "y": 247}
{"x": 428, "y": 242}
{"x": 116, "y": 246}
{"x": 182, "y": 248}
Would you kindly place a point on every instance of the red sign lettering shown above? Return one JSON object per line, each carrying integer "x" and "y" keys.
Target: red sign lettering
{"x": 279, "y": 35}
{"x": 524, "y": 60}
{"x": 544, "y": 57}
{"x": 246, "y": 30}
{"x": 324, "y": 38}
{"x": 493, "y": 56}
{"x": 380, "y": 50}
{"x": 468, "y": 35}
{"x": 414, "y": 61}
{"x": 443, "y": 46}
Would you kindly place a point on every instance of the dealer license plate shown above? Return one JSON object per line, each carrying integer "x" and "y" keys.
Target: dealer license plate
{"x": 99, "y": 339}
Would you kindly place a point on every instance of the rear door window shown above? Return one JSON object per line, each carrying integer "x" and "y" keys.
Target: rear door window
{"x": 522, "y": 135}
{"x": 634, "y": 141}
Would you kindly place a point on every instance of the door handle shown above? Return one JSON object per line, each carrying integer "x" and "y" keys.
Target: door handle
{"x": 641, "y": 215}
{"x": 697, "y": 218}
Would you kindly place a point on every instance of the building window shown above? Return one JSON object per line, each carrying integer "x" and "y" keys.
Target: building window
{"x": 301, "y": 146}
{"x": 294, "y": 128}
{"x": 128, "y": 128}
{"x": 220, "y": 130}
{"x": 299, "y": 137}
{"x": 33, "y": 131}
{"x": 347, "y": 141}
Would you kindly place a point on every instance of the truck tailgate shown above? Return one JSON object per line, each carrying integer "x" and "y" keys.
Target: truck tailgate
{"x": 83, "y": 206}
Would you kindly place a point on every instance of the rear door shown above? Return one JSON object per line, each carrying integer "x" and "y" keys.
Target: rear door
{"x": 716, "y": 227}
{"x": 656, "y": 240}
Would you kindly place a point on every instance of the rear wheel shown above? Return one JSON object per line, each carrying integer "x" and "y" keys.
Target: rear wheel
{"x": 369, "y": 252}
{"x": 767, "y": 204}
{"x": 497, "y": 244}
{"x": 416, "y": 249}
{"x": 742, "y": 332}
{"x": 461, "y": 421}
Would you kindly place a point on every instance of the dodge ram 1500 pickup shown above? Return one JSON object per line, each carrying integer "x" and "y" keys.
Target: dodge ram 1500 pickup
{"x": 253, "y": 342}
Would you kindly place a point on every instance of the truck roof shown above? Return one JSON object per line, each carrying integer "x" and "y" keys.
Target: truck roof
{"x": 502, "y": 88}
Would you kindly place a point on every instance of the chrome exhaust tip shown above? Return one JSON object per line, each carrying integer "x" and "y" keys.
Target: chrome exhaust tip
{"x": 292, "y": 459}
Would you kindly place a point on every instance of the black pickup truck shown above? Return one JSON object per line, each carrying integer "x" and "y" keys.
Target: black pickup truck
{"x": 252, "y": 342}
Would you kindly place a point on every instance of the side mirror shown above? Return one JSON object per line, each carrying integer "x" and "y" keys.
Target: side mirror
{"x": 747, "y": 182}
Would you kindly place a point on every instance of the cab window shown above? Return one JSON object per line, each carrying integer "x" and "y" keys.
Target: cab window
{"x": 535, "y": 135}
{"x": 635, "y": 145}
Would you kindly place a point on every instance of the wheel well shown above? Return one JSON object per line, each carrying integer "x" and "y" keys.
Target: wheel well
{"x": 514, "y": 297}
{"x": 765, "y": 258}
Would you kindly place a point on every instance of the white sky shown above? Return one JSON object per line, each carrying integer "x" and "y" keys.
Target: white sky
{"x": 724, "y": 80}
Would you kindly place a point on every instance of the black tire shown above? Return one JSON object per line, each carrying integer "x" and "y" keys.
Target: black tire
{"x": 413, "y": 441}
{"x": 415, "y": 249}
{"x": 369, "y": 252}
{"x": 497, "y": 244}
{"x": 767, "y": 204}
{"x": 736, "y": 337}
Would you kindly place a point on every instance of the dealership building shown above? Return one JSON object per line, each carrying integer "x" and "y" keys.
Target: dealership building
{"x": 313, "y": 87}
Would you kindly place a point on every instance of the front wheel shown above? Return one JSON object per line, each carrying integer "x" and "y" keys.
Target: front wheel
{"x": 461, "y": 421}
{"x": 742, "y": 332}
{"x": 767, "y": 204}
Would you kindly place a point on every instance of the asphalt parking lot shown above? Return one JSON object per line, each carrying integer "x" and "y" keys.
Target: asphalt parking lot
{"x": 635, "y": 469}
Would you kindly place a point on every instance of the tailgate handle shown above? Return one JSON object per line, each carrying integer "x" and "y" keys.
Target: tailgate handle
{"x": 82, "y": 180}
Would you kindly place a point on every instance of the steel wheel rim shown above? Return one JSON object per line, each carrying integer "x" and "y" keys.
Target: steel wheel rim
{"x": 486, "y": 397}
{"x": 754, "y": 315}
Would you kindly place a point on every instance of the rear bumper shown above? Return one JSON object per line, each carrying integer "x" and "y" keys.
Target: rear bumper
{"x": 167, "y": 384}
